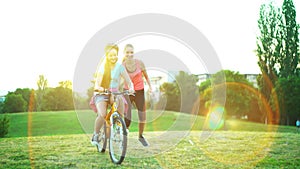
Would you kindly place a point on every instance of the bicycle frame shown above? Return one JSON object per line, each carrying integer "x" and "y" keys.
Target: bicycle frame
{"x": 114, "y": 106}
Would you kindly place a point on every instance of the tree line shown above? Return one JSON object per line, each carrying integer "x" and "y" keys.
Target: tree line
{"x": 241, "y": 98}
{"x": 43, "y": 99}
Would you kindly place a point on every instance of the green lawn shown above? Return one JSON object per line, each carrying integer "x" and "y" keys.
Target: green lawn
{"x": 43, "y": 123}
{"x": 60, "y": 140}
{"x": 82, "y": 121}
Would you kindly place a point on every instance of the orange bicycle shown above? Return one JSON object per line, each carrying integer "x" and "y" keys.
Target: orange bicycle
{"x": 114, "y": 130}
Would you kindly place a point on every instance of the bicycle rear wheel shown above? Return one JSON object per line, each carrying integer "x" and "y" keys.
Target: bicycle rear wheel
{"x": 118, "y": 139}
{"x": 101, "y": 146}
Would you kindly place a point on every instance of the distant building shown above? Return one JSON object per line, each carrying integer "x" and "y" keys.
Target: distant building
{"x": 156, "y": 82}
{"x": 3, "y": 93}
{"x": 203, "y": 78}
{"x": 252, "y": 79}
{"x": 2, "y": 99}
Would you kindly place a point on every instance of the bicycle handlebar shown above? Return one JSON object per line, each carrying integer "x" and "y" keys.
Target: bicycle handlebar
{"x": 107, "y": 92}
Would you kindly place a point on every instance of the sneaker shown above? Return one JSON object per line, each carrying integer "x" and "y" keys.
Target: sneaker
{"x": 143, "y": 141}
{"x": 95, "y": 140}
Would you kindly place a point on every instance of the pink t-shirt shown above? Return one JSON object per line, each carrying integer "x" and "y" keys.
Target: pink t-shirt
{"x": 136, "y": 76}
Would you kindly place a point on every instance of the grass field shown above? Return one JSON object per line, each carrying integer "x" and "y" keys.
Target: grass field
{"x": 60, "y": 140}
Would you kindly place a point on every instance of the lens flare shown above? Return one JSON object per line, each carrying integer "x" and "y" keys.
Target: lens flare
{"x": 248, "y": 146}
{"x": 29, "y": 130}
{"x": 216, "y": 118}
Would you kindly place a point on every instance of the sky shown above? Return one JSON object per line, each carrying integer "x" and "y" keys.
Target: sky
{"x": 47, "y": 37}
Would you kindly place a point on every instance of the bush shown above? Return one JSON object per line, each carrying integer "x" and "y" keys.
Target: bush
{"x": 1, "y": 107}
{"x": 4, "y": 124}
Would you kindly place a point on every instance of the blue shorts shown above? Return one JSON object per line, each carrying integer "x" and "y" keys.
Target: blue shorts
{"x": 101, "y": 98}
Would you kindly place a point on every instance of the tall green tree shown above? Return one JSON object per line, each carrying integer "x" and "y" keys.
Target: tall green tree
{"x": 270, "y": 49}
{"x": 290, "y": 58}
{"x": 269, "y": 46}
{"x": 287, "y": 87}
{"x": 42, "y": 84}
{"x": 279, "y": 33}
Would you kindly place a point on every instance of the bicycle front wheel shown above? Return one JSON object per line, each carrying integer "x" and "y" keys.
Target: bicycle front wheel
{"x": 118, "y": 139}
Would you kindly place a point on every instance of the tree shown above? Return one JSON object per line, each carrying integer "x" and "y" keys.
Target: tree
{"x": 171, "y": 92}
{"x": 287, "y": 87}
{"x": 290, "y": 58}
{"x": 204, "y": 85}
{"x": 230, "y": 76}
{"x": 269, "y": 46}
{"x": 80, "y": 102}
{"x": 182, "y": 93}
{"x": 58, "y": 98}
{"x": 27, "y": 100}
{"x": 42, "y": 84}
{"x": 1, "y": 107}
{"x": 237, "y": 93}
{"x": 4, "y": 125}
{"x": 25, "y": 93}
{"x": 278, "y": 53}
{"x": 188, "y": 90}
{"x": 66, "y": 84}
{"x": 241, "y": 96}
{"x": 14, "y": 103}
{"x": 288, "y": 90}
